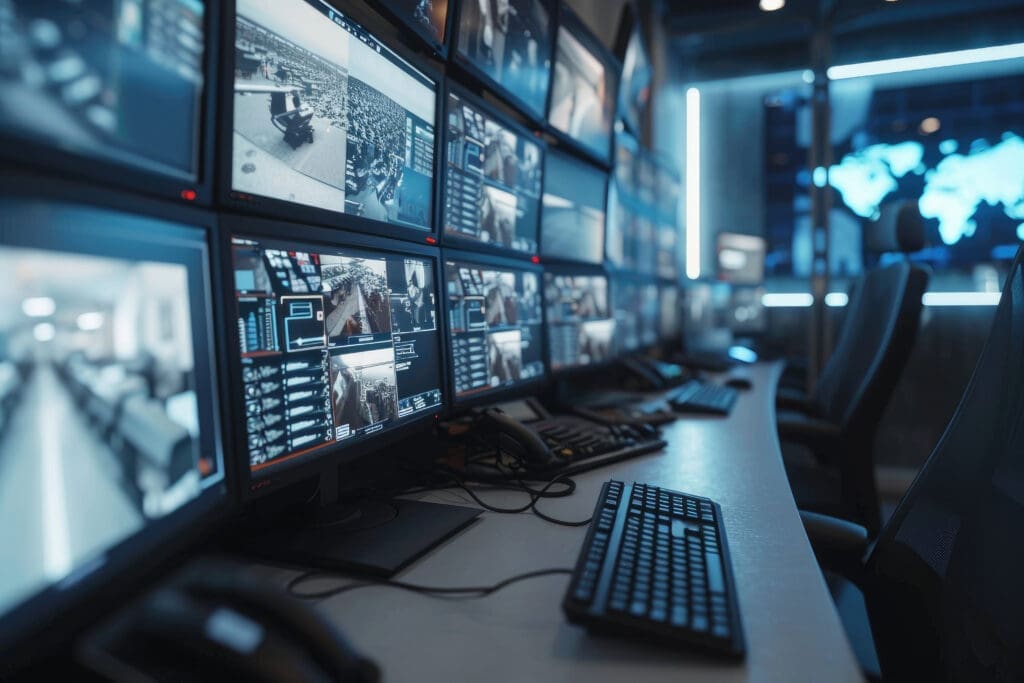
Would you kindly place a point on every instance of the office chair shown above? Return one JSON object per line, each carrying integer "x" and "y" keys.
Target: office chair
{"x": 943, "y": 583}
{"x": 838, "y": 422}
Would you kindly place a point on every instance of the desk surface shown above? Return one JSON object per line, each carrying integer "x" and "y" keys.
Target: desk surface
{"x": 792, "y": 630}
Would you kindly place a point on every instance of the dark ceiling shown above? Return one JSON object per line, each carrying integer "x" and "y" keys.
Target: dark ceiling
{"x": 728, "y": 38}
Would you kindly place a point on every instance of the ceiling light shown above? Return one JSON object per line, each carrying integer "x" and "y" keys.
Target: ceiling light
{"x": 930, "y": 125}
{"x": 38, "y": 306}
{"x": 933, "y": 61}
{"x": 771, "y": 5}
{"x": 88, "y": 322}
{"x": 44, "y": 332}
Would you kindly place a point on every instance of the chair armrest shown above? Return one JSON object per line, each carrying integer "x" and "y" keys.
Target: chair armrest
{"x": 821, "y": 436}
{"x": 793, "y": 399}
{"x": 839, "y": 545}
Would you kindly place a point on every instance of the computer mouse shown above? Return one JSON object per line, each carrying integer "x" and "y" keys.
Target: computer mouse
{"x": 739, "y": 383}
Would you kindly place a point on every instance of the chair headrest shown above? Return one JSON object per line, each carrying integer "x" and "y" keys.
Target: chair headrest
{"x": 899, "y": 227}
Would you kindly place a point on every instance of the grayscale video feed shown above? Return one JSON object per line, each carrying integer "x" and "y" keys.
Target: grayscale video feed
{"x": 581, "y": 329}
{"x": 364, "y": 391}
{"x": 583, "y": 91}
{"x": 414, "y": 307}
{"x": 327, "y": 117}
{"x": 573, "y": 221}
{"x": 509, "y": 41}
{"x": 99, "y": 415}
{"x": 427, "y": 17}
{"x": 357, "y": 301}
{"x": 121, "y": 81}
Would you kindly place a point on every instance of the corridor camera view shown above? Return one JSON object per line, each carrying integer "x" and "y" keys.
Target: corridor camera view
{"x": 335, "y": 344}
{"x": 573, "y": 220}
{"x": 98, "y": 78}
{"x": 510, "y": 42}
{"x": 495, "y": 321}
{"x": 99, "y": 417}
{"x": 581, "y": 330}
{"x": 583, "y": 91}
{"x": 327, "y": 117}
{"x": 492, "y": 180}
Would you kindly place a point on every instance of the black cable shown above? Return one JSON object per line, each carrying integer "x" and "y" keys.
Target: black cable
{"x": 455, "y": 592}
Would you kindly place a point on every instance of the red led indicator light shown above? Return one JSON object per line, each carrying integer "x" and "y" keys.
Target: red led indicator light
{"x": 188, "y": 195}
{"x": 535, "y": 259}
{"x": 431, "y": 240}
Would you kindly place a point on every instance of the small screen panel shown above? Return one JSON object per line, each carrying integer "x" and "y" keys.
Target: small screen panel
{"x": 573, "y": 219}
{"x": 336, "y": 344}
{"x": 637, "y": 314}
{"x": 120, "y": 81}
{"x": 741, "y": 258}
{"x": 492, "y": 179}
{"x": 495, "y": 319}
{"x": 328, "y": 117}
{"x": 509, "y": 41}
{"x": 429, "y": 18}
{"x": 670, "y": 313}
{"x": 580, "y": 326}
{"x": 107, "y": 406}
{"x": 583, "y": 91}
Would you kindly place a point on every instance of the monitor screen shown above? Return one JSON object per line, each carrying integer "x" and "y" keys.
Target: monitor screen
{"x": 119, "y": 81}
{"x": 669, "y": 312}
{"x": 637, "y": 79}
{"x": 495, "y": 318}
{"x": 573, "y": 219}
{"x": 667, "y": 266}
{"x": 580, "y": 326}
{"x": 429, "y": 18}
{"x": 637, "y": 312}
{"x": 509, "y": 42}
{"x": 107, "y": 398}
{"x": 583, "y": 89}
{"x": 336, "y": 344}
{"x": 492, "y": 179}
{"x": 741, "y": 258}
{"x": 327, "y": 117}
{"x": 706, "y": 311}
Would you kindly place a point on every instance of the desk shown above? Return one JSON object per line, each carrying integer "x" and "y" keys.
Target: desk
{"x": 792, "y": 630}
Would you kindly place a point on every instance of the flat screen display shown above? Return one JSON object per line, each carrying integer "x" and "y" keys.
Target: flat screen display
{"x": 429, "y": 18}
{"x": 328, "y": 117}
{"x": 337, "y": 345}
{"x": 118, "y": 81}
{"x": 495, "y": 318}
{"x": 741, "y": 258}
{"x": 637, "y": 312}
{"x": 107, "y": 406}
{"x": 573, "y": 218}
{"x": 509, "y": 42}
{"x": 580, "y": 326}
{"x": 492, "y": 179}
{"x": 670, "y": 313}
{"x": 583, "y": 90}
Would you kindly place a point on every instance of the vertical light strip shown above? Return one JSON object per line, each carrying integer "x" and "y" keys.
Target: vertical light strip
{"x": 693, "y": 183}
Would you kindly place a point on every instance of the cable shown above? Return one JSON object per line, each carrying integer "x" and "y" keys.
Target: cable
{"x": 453, "y": 592}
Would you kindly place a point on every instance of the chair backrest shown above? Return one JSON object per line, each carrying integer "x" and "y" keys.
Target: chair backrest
{"x": 945, "y": 580}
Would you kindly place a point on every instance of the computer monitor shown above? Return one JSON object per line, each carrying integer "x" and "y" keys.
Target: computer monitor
{"x": 427, "y": 18}
{"x": 507, "y": 44}
{"x": 110, "y": 450}
{"x": 337, "y": 346}
{"x": 580, "y": 322}
{"x": 706, "y": 308}
{"x": 327, "y": 120}
{"x": 111, "y": 90}
{"x": 741, "y": 258}
{"x": 636, "y": 306}
{"x": 667, "y": 266}
{"x": 670, "y": 313}
{"x": 573, "y": 217}
{"x": 492, "y": 179}
{"x": 584, "y": 86}
{"x": 495, "y": 325}
{"x": 637, "y": 73}
{"x": 748, "y": 314}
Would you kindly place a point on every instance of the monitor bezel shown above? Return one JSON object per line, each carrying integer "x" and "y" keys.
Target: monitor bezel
{"x": 572, "y": 22}
{"x": 54, "y": 615}
{"x": 527, "y": 387}
{"x": 465, "y": 66}
{"x": 574, "y": 269}
{"x": 457, "y": 241}
{"x": 562, "y": 260}
{"x": 32, "y": 155}
{"x": 259, "y": 205}
{"x": 335, "y": 455}
{"x": 437, "y": 48}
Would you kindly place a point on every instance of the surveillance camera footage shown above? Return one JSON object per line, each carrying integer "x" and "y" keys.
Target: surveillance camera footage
{"x": 428, "y": 17}
{"x": 99, "y": 413}
{"x": 581, "y": 329}
{"x": 335, "y": 344}
{"x": 492, "y": 180}
{"x": 495, "y": 320}
{"x": 327, "y": 117}
{"x": 573, "y": 220}
{"x": 509, "y": 42}
{"x": 98, "y": 78}
{"x": 637, "y": 315}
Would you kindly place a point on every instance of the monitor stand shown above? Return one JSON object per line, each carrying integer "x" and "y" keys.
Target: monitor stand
{"x": 375, "y": 537}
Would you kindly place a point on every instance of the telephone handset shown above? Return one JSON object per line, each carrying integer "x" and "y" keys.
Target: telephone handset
{"x": 515, "y": 437}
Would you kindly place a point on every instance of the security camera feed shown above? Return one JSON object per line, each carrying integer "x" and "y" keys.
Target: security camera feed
{"x": 118, "y": 81}
{"x": 670, "y": 313}
{"x": 509, "y": 42}
{"x": 427, "y": 17}
{"x": 492, "y": 179}
{"x": 634, "y": 242}
{"x": 106, "y": 421}
{"x": 667, "y": 265}
{"x": 741, "y": 258}
{"x": 583, "y": 90}
{"x": 336, "y": 345}
{"x": 573, "y": 218}
{"x": 580, "y": 326}
{"x": 495, "y": 319}
{"x": 637, "y": 312}
{"x": 637, "y": 79}
{"x": 328, "y": 117}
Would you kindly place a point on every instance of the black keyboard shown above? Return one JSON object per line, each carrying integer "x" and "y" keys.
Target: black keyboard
{"x": 698, "y": 397}
{"x": 655, "y": 564}
{"x": 579, "y": 445}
